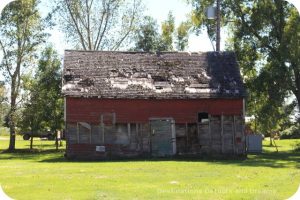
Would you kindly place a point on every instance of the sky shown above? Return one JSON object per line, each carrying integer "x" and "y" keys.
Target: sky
{"x": 159, "y": 10}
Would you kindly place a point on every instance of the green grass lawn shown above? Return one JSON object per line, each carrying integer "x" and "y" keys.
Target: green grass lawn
{"x": 45, "y": 174}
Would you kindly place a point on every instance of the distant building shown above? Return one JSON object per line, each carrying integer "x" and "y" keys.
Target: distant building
{"x": 128, "y": 104}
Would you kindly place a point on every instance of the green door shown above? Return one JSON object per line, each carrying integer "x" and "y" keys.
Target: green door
{"x": 163, "y": 140}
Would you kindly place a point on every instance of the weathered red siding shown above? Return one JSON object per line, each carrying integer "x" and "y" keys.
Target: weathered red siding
{"x": 139, "y": 111}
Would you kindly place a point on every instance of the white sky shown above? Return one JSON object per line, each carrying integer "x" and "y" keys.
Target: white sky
{"x": 159, "y": 10}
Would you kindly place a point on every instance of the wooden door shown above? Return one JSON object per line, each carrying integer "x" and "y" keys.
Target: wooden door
{"x": 163, "y": 139}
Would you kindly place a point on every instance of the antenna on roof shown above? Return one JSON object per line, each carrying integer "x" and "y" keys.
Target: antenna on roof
{"x": 215, "y": 13}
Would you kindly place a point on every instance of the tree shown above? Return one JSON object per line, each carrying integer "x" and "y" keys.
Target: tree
{"x": 168, "y": 28}
{"x": 264, "y": 30}
{"x": 149, "y": 39}
{"x": 44, "y": 108}
{"x": 182, "y": 36}
{"x": 266, "y": 41}
{"x": 147, "y": 36}
{"x": 99, "y": 24}
{"x": 21, "y": 32}
{"x": 3, "y": 103}
{"x": 2, "y": 92}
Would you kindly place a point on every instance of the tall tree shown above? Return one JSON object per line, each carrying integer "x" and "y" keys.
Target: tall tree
{"x": 21, "y": 32}
{"x": 147, "y": 36}
{"x": 168, "y": 28}
{"x": 182, "y": 36}
{"x": 264, "y": 29}
{"x": 99, "y": 24}
{"x": 266, "y": 41}
{"x": 44, "y": 108}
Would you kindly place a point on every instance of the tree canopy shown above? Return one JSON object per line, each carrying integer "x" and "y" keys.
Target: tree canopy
{"x": 265, "y": 38}
{"x": 21, "y": 32}
{"x": 150, "y": 38}
{"x": 44, "y": 108}
{"x": 99, "y": 24}
{"x": 147, "y": 36}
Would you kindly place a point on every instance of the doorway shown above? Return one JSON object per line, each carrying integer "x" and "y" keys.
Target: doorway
{"x": 163, "y": 137}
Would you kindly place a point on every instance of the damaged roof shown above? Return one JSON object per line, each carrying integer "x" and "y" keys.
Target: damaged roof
{"x": 163, "y": 75}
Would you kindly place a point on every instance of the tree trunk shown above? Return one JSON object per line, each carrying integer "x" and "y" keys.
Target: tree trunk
{"x": 56, "y": 140}
{"x": 12, "y": 125}
{"x": 271, "y": 142}
{"x": 298, "y": 101}
{"x": 12, "y": 140}
{"x": 296, "y": 91}
{"x": 31, "y": 142}
{"x": 15, "y": 84}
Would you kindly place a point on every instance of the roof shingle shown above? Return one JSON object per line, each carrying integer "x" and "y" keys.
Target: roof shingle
{"x": 164, "y": 75}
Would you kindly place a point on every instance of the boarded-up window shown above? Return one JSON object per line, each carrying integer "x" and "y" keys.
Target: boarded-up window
{"x": 122, "y": 136}
{"x": 228, "y": 133}
{"x": 71, "y": 133}
{"x": 145, "y": 134}
{"x": 97, "y": 136}
{"x": 84, "y": 132}
{"x": 133, "y": 137}
{"x": 109, "y": 134}
{"x": 181, "y": 138}
{"x": 192, "y": 136}
{"x": 216, "y": 137}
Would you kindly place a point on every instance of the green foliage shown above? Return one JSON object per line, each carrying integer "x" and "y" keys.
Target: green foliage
{"x": 147, "y": 35}
{"x": 292, "y": 132}
{"x": 297, "y": 147}
{"x": 168, "y": 28}
{"x": 149, "y": 39}
{"x": 182, "y": 36}
{"x": 266, "y": 41}
{"x": 4, "y": 107}
{"x": 260, "y": 41}
{"x": 44, "y": 109}
{"x": 2, "y": 92}
{"x": 4, "y": 131}
{"x": 21, "y": 33}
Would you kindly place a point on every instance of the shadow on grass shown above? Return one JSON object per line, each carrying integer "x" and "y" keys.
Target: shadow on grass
{"x": 271, "y": 146}
{"x": 287, "y": 159}
{"x": 273, "y": 160}
{"x": 41, "y": 146}
{"x": 31, "y": 154}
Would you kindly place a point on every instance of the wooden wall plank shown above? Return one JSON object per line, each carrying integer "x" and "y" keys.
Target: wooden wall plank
{"x": 222, "y": 132}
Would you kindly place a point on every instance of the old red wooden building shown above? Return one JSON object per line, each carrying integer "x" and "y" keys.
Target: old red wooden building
{"x": 126, "y": 104}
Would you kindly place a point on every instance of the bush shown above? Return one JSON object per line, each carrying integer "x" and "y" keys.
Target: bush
{"x": 4, "y": 131}
{"x": 291, "y": 133}
{"x": 296, "y": 147}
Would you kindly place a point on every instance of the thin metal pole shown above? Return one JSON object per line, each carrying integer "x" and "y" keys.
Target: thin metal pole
{"x": 218, "y": 26}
